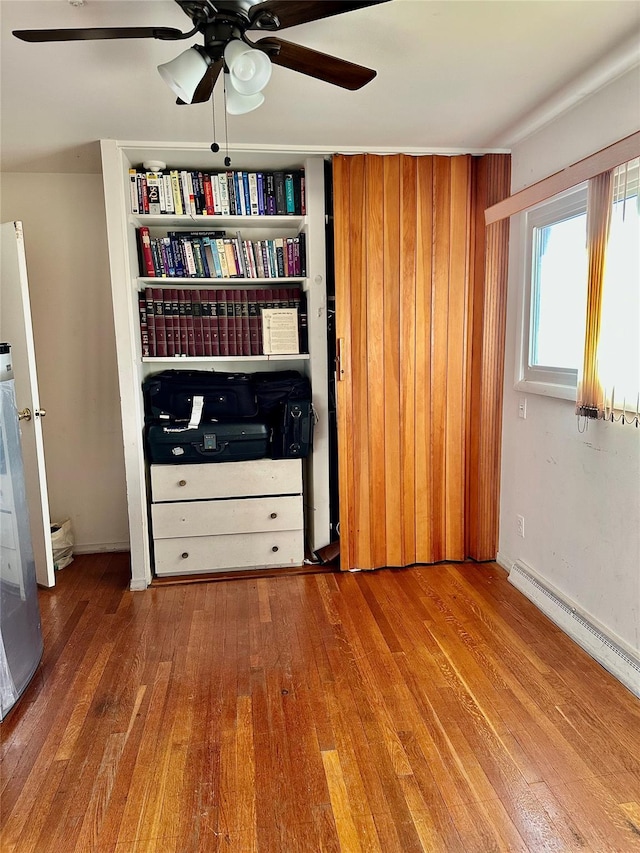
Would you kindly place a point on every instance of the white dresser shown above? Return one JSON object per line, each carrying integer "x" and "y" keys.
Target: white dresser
{"x": 233, "y": 515}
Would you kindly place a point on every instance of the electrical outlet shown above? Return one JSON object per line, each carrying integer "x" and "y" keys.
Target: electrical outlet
{"x": 520, "y": 523}
{"x": 522, "y": 407}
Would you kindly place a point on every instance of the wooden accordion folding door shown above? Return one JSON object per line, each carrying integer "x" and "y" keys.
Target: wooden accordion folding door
{"x": 420, "y": 313}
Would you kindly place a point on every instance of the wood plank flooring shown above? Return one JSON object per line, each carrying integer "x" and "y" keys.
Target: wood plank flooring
{"x": 424, "y": 709}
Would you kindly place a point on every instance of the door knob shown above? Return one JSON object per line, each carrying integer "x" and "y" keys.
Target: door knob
{"x": 24, "y": 415}
{"x": 40, "y": 413}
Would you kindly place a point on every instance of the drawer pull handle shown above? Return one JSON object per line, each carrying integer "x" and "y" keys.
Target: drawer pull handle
{"x": 274, "y": 515}
{"x": 182, "y": 482}
{"x": 184, "y": 555}
{"x": 275, "y": 548}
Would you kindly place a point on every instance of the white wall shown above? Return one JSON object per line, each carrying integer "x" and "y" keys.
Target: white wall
{"x": 579, "y": 493}
{"x": 69, "y": 284}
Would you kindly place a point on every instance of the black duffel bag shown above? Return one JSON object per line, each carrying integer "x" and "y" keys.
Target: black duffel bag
{"x": 284, "y": 402}
{"x": 169, "y": 395}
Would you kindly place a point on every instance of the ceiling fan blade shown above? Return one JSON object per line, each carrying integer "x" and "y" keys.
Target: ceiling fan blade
{"x": 290, "y": 13}
{"x": 316, "y": 64}
{"x": 204, "y": 89}
{"x": 164, "y": 33}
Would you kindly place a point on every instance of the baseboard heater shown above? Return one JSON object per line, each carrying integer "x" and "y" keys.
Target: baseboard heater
{"x": 621, "y": 663}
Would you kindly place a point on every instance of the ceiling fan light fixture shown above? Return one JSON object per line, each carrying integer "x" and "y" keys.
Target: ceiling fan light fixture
{"x": 237, "y": 103}
{"x": 183, "y": 73}
{"x": 249, "y": 69}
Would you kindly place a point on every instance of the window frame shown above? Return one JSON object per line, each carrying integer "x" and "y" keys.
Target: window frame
{"x": 547, "y": 380}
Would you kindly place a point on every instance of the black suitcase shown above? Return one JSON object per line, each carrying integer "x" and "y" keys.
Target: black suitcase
{"x": 293, "y": 434}
{"x": 170, "y": 395}
{"x": 217, "y": 442}
{"x": 284, "y": 402}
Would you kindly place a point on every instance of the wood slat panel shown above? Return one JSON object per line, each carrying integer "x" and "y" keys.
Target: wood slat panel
{"x": 459, "y": 225}
{"x": 487, "y": 360}
{"x": 375, "y": 321}
{"x": 345, "y": 425}
{"x": 440, "y": 350}
{"x": 407, "y": 348}
{"x": 424, "y": 433}
{"x": 358, "y": 378}
{"x": 392, "y": 366}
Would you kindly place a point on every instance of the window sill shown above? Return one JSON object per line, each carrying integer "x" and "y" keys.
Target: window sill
{"x": 547, "y": 389}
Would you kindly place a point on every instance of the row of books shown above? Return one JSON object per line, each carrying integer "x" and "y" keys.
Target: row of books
{"x": 232, "y": 193}
{"x": 212, "y": 254}
{"x": 175, "y": 322}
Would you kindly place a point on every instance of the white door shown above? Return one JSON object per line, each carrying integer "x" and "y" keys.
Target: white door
{"x": 16, "y": 329}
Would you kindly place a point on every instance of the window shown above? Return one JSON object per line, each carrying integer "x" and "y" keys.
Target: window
{"x": 556, "y": 294}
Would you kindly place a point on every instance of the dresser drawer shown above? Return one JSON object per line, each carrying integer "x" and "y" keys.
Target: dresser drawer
{"x": 198, "y": 554}
{"x": 206, "y": 518}
{"x": 226, "y": 479}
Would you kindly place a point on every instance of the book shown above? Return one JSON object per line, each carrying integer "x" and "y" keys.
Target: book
{"x": 246, "y": 330}
{"x": 288, "y": 193}
{"x": 230, "y": 253}
{"x": 255, "y": 332}
{"x": 254, "y": 208}
{"x": 222, "y": 257}
{"x": 213, "y": 320}
{"x": 205, "y": 313}
{"x": 245, "y": 189}
{"x": 188, "y": 311}
{"x": 133, "y": 191}
{"x": 159, "y": 322}
{"x": 168, "y": 321}
{"x": 262, "y": 206}
{"x": 209, "y": 206}
{"x": 145, "y": 254}
{"x": 144, "y": 328}
{"x": 177, "y": 194}
{"x": 231, "y": 323}
{"x": 223, "y": 189}
{"x": 190, "y": 261}
{"x": 153, "y": 194}
{"x": 198, "y": 324}
{"x": 151, "y": 320}
{"x": 175, "y": 319}
{"x": 223, "y": 323}
{"x": 237, "y": 314}
{"x": 167, "y": 190}
{"x": 182, "y": 315}
{"x": 280, "y": 193}
{"x": 270, "y": 194}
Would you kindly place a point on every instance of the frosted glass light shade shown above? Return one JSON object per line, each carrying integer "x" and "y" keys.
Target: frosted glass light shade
{"x": 249, "y": 69}
{"x": 237, "y": 104}
{"x": 184, "y": 73}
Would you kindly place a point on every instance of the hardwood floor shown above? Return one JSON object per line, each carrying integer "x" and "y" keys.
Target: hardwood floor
{"x": 429, "y": 709}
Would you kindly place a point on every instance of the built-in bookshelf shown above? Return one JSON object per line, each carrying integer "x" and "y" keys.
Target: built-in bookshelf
{"x": 272, "y": 219}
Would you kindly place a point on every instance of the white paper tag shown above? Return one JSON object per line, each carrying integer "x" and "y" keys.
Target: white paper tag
{"x": 196, "y": 411}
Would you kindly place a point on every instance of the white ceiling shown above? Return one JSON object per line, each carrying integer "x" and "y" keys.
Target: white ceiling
{"x": 452, "y": 75}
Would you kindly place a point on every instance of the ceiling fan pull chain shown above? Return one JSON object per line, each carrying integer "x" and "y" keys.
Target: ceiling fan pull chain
{"x": 214, "y": 145}
{"x": 227, "y": 159}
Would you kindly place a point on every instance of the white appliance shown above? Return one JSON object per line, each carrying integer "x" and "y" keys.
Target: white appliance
{"x": 20, "y": 632}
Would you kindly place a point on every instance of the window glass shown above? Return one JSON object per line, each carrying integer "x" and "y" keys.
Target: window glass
{"x": 559, "y": 297}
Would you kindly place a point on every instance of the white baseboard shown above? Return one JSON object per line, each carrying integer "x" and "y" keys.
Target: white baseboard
{"x": 100, "y": 547}
{"x": 611, "y": 652}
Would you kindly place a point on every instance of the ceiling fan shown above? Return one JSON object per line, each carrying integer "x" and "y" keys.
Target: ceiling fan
{"x": 224, "y": 25}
